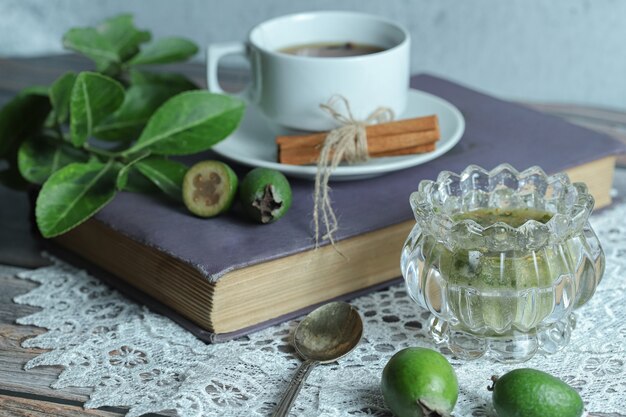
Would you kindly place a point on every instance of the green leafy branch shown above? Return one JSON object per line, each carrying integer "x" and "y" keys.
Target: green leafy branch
{"x": 92, "y": 134}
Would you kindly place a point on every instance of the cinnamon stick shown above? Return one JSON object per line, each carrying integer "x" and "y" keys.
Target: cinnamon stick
{"x": 417, "y": 124}
{"x": 376, "y": 145}
{"x": 401, "y": 137}
{"x": 305, "y": 156}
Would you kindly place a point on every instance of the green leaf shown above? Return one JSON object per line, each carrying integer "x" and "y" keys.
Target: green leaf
{"x": 60, "y": 93}
{"x": 166, "y": 174}
{"x": 93, "y": 44}
{"x": 190, "y": 122}
{"x": 39, "y": 157}
{"x": 122, "y": 34}
{"x": 165, "y": 50}
{"x": 140, "y": 102}
{"x": 73, "y": 194}
{"x": 94, "y": 97}
{"x": 170, "y": 79}
{"x": 21, "y": 117}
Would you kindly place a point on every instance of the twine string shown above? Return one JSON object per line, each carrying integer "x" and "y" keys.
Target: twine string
{"x": 349, "y": 142}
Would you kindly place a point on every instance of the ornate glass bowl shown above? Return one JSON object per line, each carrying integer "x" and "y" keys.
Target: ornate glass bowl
{"x": 501, "y": 288}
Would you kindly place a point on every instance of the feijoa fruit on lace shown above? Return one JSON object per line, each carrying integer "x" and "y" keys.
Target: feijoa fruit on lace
{"x": 532, "y": 393}
{"x": 419, "y": 382}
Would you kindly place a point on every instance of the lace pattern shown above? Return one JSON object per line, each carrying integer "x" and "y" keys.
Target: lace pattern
{"x": 137, "y": 359}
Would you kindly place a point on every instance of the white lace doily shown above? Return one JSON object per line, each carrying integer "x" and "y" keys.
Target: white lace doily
{"x": 137, "y": 359}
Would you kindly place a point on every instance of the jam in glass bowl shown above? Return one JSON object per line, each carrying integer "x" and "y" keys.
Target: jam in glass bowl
{"x": 501, "y": 259}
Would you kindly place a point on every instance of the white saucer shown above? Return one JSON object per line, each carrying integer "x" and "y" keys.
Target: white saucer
{"x": 253, "y": 143}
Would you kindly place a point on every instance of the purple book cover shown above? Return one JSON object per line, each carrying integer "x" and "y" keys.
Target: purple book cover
{"x": 496, "y": 131}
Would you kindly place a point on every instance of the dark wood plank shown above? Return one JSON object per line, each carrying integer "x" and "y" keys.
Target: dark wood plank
{"x": 36, "y": 381}
{"x": 18, "y": 246}
{"x": 12, "y": 286}
{"x": 24, "y": 72}
{"x": 13, "y": 356}
{"x": 19, "y": 73}
{"x": 22, "y": 407}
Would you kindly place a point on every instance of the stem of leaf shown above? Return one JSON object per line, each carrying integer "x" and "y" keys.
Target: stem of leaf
{"x": 139, "y": 157}
{"x": 100, "y": 152}
{"x": 131, "y": 153}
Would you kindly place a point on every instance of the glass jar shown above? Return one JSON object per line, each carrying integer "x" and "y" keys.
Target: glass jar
{"x": 501, "y": 259}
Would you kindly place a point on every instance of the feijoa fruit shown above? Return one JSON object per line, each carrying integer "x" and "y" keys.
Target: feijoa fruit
{"x": 265, "y": 195}
{"x": 209, "y": 188}
{"x": 532, "y": 393}
{"x": 419, "y": 382}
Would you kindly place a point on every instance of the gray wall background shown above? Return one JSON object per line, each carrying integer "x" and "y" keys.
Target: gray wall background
{"x": 559, "y": 50}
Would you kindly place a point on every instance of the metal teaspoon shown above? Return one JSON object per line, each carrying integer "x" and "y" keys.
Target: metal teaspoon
{"x": 325, "y": 335}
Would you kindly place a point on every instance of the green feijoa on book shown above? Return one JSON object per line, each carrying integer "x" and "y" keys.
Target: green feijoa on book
{"x": 265, "y": 195}
{"x": 209, "y": 188}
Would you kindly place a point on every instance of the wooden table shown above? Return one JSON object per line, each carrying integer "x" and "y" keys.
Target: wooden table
{"x": 28, "y": 393}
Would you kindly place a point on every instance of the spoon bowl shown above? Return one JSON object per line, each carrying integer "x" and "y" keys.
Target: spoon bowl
{"x": 325, "y": 335}
{"x": 329, "y": 332}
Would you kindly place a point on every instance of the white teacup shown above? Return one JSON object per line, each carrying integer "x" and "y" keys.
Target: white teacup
{"x": 288, "y": 89}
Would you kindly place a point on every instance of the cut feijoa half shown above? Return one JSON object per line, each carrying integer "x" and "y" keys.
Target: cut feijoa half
{"x": 209, "y": 188}
{"x": 265, "y": 195}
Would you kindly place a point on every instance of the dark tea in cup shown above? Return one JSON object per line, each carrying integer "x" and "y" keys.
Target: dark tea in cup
{"x": 332, "y": 49}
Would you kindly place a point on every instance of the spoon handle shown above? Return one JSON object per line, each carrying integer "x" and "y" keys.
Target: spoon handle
{"x": 282, "y": 410}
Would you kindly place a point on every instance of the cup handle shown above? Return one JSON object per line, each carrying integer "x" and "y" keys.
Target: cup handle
{"x": 214, "y": 53}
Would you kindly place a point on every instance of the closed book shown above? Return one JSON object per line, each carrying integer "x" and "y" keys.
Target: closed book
{"x": 224, "y": 277}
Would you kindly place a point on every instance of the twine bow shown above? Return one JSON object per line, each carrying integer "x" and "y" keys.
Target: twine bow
{"x": 349, "y": 142}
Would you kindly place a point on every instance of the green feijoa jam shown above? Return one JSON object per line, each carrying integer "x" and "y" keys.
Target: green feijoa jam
{"x": 489, "y": 289}
{"x": 531, "y": 393}
{"x": 209, "y": 188}
{"x": 483, "y": 270}
{"x": 265, "y": 195}
{"x": 513, "y": 217}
